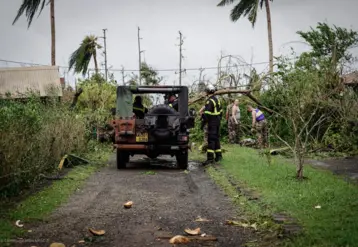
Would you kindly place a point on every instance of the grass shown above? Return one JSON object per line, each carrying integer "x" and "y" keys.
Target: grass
{"x": 40, "y": 205}
{"x": 334, "y": 224}
{"x": 149, "y": 173}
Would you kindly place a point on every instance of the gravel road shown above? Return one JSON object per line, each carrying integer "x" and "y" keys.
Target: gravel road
{"x": 166, "y": 200}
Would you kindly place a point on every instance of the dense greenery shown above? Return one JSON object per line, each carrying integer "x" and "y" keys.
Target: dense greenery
{"x": 312, "y": 107}
{"x": 33, "y": 137}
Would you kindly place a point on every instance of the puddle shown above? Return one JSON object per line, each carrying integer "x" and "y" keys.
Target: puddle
{"x": 193, "y": 165}
{"x": 353, "y": 175}
{"x": 162, "y": 162}
{"x": 318, "y": 163}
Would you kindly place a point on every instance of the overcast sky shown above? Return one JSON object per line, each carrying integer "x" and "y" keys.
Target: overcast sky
{"x": 207, "y": 30}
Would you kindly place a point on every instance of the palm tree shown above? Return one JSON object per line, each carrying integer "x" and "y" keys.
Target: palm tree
{"x": 250, "y": 7}
{"x": 30, "y": 8}
{"x": 81, "y": 57}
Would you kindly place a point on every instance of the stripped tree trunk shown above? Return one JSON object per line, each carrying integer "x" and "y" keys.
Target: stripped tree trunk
{"x": 269, "y": 33}
{"x": 95, "y": 61}
{"x": 53, "y": 33}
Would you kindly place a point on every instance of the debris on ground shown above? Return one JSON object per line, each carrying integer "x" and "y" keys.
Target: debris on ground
{"x": 178, "y": 239}
{"x": 238, "y": 223}
{"x": 96, "y": 232}
{"x": 202, "y": 237}
{"x": 278, "y": 150}
{"x": 70, "y": 160}
{"x": 192, "y": 232}
{"x": 199, "y": 219}
{"x": 318, "y": 207}
{"x": 128, "y": 204}
{"x": 17, "y": 223}
{"x": 57, "y": 245}
{"x": 247, "y": 142}
{"x": 81, "y": 242}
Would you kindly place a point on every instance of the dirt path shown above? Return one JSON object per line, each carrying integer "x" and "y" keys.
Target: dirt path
{"x": 168, "y": 201}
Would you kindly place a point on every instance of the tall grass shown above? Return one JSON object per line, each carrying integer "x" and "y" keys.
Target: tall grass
{"x": 33, "y": 137}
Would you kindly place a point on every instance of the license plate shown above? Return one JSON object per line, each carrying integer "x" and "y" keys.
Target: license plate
{"x": 142, "y": 137}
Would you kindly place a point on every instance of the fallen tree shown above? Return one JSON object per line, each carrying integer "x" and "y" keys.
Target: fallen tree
{"x": 229, "y": 91}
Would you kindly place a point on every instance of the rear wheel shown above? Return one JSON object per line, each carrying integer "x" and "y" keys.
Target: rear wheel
{"x": 122, "y": 159}
{"x": 182, "y": 160}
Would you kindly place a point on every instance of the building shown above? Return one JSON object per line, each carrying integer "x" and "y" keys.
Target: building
{"x": 21, "y": 82}
{"x": 351, "y": 80}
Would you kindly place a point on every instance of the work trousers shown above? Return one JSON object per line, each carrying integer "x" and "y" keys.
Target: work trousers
{"x": 214, "y": 149}
{"x": 262, "y": 133}
{"x": 234, "y": 131}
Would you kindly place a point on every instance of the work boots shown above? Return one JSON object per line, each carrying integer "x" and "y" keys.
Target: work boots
{"x": 209, "y": 159}
{"x": 218, "y": 157}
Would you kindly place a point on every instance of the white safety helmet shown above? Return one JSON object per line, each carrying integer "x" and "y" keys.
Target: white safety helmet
{"x": 210, "y": 88}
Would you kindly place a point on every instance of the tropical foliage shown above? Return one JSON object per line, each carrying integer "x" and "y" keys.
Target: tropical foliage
{"x": 30, "y": 8}
{"x": 82, "y": 56}
{"x": 249, "y": 9}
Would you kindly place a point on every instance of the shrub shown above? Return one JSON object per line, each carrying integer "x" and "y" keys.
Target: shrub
{"x": 33, "y": 138}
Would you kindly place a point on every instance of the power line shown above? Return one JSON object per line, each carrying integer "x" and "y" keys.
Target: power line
{"x": 136, "y": 70}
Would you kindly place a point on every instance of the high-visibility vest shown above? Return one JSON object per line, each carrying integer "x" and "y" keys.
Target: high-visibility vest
{"x": 217, "y": 107}
{"x": 142, "y": 109}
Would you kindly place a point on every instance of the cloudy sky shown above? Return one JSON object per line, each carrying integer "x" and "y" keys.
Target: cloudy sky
{"x": 207, "y": 32}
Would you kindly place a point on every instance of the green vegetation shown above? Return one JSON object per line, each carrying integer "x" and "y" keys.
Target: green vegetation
{"x": 33, "y": 138}
{"x": 36, "y": 133}
{"x": 311, "y": 107}
{"x": 149, "y": 173}
{"x": 40, "y": 205}
{"x": 333, "y": 224}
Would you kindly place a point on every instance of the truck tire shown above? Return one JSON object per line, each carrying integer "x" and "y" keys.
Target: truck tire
{"x": 122, "y": 159}
{"x": 182, "y": 160}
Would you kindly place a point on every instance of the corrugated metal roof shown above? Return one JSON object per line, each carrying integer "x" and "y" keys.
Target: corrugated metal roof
{"x": 19, "y": 82}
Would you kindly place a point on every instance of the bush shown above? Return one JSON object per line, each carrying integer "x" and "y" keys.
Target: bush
{"x": 33, "y": 138}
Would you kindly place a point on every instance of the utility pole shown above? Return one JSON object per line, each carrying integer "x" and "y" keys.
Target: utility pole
{"x": 140, "y": 59}
{"x": 180, "y": 55}
{"x": 105, "y": 53}
{"x": 200, "y": 73}
{"x": 122, "y": 70}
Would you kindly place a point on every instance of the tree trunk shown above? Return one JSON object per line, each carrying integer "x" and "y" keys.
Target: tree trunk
{"x": 219, "y": 92}
{"x": 95, "y": 62}
{"x": 298, "y": 159}
{"x": 53, "y": 34}
{"x": 299, "y": 169}
{"x": 269, "y": 33}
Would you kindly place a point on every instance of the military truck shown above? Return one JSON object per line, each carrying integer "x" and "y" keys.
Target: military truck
{"x": 162, "y": 131}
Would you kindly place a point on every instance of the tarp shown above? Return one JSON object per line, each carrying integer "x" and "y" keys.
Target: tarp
{"x": 124, "y": 107}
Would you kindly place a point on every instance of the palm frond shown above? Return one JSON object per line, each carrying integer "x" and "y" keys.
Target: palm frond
{"x": 80, "y": 58}
{"x": 243, "y": 8}
{"x": 29, "y": 7}
{"x": 225, "y": 2}
{"x": 253, "y": 13}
